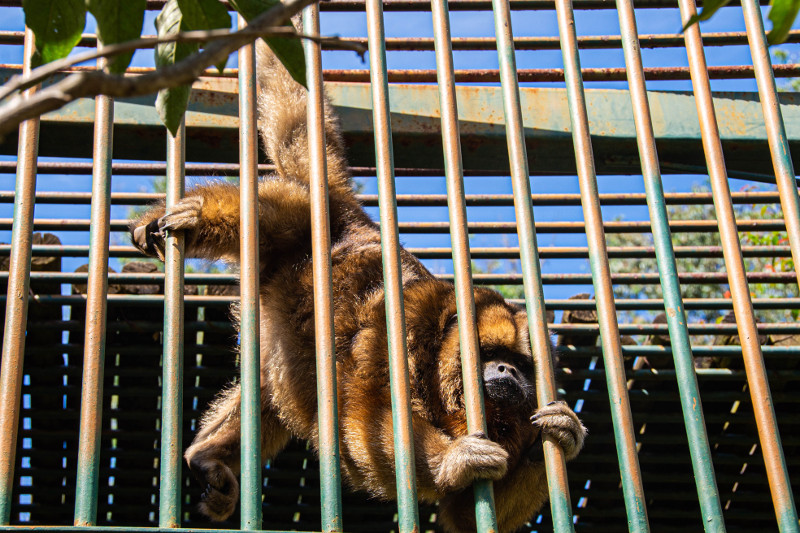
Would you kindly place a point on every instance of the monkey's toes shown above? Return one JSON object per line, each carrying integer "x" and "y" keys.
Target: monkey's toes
{"x": 469, "y": 458}
{"x": 219, "y": 504}
{"x": 558, "y": 421}
{"x": 183, "y": 215}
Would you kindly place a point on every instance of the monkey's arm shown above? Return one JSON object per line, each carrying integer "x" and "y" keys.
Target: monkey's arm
{"x": 209, "y": 218}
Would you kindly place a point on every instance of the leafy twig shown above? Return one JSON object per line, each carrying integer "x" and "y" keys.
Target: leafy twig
{"x": 88, "y": 84}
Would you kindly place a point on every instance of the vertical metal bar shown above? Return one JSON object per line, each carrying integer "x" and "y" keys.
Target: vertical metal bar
{"x": 632, "y": 488}
{"x": 485, "y": 518}
{"x": 94, "y": 351}
{"x": 560, "y": 504}
{"x": 250, "y": 314}
{"x": 670, "y": 286}
{"x": 329, "y": 468}
{"x": 408, "y": 513}
{"x": 776, "y": 132}
{"x": 760, "y": 395}
{"x": 169, "y": 499}
{"x": 19, "y": 271}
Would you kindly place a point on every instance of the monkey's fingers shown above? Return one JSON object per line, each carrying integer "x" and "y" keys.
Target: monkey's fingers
{"x": 149, "y": 239}
{"x": 469, "y": 458}
{"x": 558, "y": 421}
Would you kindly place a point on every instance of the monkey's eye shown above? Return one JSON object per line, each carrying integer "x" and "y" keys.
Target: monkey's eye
{"x": 451, "y": 322}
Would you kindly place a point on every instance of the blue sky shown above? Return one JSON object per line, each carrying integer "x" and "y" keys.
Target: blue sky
{"x": 463, "y": 24}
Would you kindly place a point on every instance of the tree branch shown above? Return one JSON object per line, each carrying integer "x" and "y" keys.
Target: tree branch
{"x": 89, "y": 84}
{"x": 38, "y": 75}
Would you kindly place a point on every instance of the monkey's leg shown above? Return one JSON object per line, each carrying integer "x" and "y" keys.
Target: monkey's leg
{"x": 214, "y": 454}
{"x": 209, "y": 218}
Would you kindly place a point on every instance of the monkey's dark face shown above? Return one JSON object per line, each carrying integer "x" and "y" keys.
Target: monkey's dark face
{"x": 506, "y": 377}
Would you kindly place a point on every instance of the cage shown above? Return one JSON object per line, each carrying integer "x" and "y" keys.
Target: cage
{"x": 659, "y": 170}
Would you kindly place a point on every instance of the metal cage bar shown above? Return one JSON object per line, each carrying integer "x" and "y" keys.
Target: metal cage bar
{"x": 630, "y": 471}
{"x": 691, "y": 404}
{"x": 555, "y": 463}
{"x": 743, "y": 308}
{"x": 95, "y": 337}
{"x": 485, "y": 518}
{"x": 17, "y": 304}
{"x": 249, "y": 336}
{"x": 404, "y": 463}
{"x": 327, "y": 398}
{"x": 169, "y": 500}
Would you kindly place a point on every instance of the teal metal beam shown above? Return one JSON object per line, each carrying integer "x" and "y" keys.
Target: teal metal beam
{"x": 213, "y": 118}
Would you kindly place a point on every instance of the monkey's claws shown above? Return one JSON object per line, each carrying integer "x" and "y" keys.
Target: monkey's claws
{"x": 469, "y": 458}
{"x": 558, "y": 421}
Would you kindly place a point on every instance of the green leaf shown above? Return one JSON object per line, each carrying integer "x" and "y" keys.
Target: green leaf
{"x": 201, "y": 15}
{"x": 709, "y": 8}
{"x": 782, "y": 14}
{"x": 288, "y": 50}
{"x": 171, "y": 103}
{"x": 57, "y": 25}
{"x": 117, "y": 22}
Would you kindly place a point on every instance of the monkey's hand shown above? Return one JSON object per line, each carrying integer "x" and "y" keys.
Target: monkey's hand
{"x": 469, "y": 458}
{"x": 148, "y": 233}
{"x": 557, "y": 420}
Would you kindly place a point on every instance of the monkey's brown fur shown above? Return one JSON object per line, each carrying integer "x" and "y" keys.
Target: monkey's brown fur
{"x": 448, "y": 460}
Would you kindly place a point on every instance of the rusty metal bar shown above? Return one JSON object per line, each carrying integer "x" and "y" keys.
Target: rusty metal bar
{"x": 720, "y": 72}
{"x": 633, "y": 226}
{"x": 17, "y": 301}
{"x": 249, "y": 336}
{"x": 776, "y": 131}
{"x": 633, "y": 490}
{"x": 485, "y": 518}
{"x": 169, "y": 500}
{"x": 544, "y": 377}
{"x": 428, "y": 200}
{"x": 329, "y": 467}
{"x": 691, "y": 404}
{"x": 531, "y": 75}
{"x": 88, "y": 473}
{"x": 404, "y": 462}
{"x": 769, "y": 436}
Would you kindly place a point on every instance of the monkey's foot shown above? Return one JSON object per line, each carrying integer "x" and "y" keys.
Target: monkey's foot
{"x": 219, "y": 498}
{"x": 469, "y": 458}
{"x": 185, "y": 215}
{"x": 557, "y": 420}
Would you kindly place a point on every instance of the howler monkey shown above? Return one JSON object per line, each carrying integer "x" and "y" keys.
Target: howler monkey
{"x": 448, "y": 459}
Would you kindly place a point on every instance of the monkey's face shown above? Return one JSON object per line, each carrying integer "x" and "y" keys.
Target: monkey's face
{"x": 506, "y": 377}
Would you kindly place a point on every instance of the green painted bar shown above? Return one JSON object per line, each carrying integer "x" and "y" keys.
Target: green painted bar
{"x": 327, "y": 397}
{"x": 691, "y": 404}
{"x": 630, "y": 472}
{"x": 485, "y": 518}
{"x": 249, "y": 333}
{"x": 404, "y": 463}
{"x": 560, "y": 504}
{"x": 169, "y": 499}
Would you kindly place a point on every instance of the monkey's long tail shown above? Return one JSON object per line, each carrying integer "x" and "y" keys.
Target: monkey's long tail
{"x": 283, "y": 125}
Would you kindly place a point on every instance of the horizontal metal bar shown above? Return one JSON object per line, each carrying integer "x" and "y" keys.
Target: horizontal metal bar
{"x": 475, "y": 200}
{"x": 585, "y": 42}
{"x": 648, "y": 278}
{"x": 677, "y": 226}
{"x": 528, "y": 75}
{"x": 653, "y": 304}
{"x": 545, "y": 252}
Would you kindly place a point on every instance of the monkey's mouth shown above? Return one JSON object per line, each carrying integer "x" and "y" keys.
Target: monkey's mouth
{"x": 504, "y": 391}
